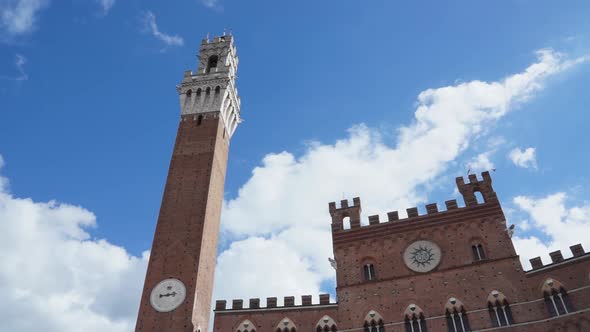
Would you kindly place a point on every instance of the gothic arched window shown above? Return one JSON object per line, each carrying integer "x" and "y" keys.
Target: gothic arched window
{"x": 212, "y": 63}
{"x": 246, "y": 326}
{"x": 457, "y": 320}
{"x": 217, "y": 90}
{"x": 556, "y": 298}
{"x": 369, "y": 272}
{"x": 286, "y": 325}
{"x": 499, "y": 309}
{"x": 326, "y": 324}
{"x": 478, "y": 252}
{"x": 198, "y": 92}
{"x": 373, "y": 322}
{"x": 414, "y": 319}
{"x": 208, "y": 91}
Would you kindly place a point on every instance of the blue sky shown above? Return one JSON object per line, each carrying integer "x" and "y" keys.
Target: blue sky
{"x": 88, "y": 115}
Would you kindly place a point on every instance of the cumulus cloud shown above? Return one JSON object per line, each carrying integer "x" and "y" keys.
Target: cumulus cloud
{"x": 19, "y": 16}
{"x": 523, "y": 158}
{"x": 481, "y": 162}
{"x": 559, "y": 226}
{"x": 55, "y": 275}
{"x": 151, "y": 25}
{"x": 286, "y": 197}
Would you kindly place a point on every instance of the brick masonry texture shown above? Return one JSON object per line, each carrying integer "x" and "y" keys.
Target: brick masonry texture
{"x": 185, "y": 242}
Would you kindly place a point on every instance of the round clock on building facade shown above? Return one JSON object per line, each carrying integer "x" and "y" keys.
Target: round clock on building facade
{"x": 422, "y": 256}
{"x": 168, "y": 295}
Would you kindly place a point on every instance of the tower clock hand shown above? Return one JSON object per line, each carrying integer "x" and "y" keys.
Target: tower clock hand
{"x": 173, "y": 294}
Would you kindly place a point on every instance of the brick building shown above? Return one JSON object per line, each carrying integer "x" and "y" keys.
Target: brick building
{"x": 452, "y": 270}
{"x": 448, "y": 270}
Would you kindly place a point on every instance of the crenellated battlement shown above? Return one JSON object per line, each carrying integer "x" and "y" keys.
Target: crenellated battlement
{"x": 467, "y": 190}
{"x": 271, "y": 303}
{"x": 345, "y": 211}
{"x": 557, "y": 257}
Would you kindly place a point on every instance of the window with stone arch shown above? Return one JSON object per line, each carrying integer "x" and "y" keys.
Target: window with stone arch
{"x": 457, "y": 320}
{"x": 373, "y": 322}
{"x": 369, "y": 271}
{"x": 414, "y": 320}
{"x": 246, "y": 326}
{"x": 499, "y": 309}
{"x": 286, "y": 325}
{"x": 556, "y": 298}
{"x": 188, "y": 94}
{"x": 326, "y": 324}
{"x": 479, "y": 253}
{"x": 217, "y": 89}
{"x": 212, "y": 63}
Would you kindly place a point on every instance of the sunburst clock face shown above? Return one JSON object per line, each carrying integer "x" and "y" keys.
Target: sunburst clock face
{"x": 168, "y": 295}
{"x": 422, "y": 256}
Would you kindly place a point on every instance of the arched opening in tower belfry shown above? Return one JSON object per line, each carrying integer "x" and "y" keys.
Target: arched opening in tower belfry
{"x": 479, "y": 197}
{"x": 346, "y": 223}
{"x": 212, "y": 62}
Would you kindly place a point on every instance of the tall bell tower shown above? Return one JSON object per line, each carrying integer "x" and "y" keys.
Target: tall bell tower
{"x": 179, "y": 282}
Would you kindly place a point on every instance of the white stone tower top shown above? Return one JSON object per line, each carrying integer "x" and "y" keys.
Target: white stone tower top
{"x": 213, "y": 87}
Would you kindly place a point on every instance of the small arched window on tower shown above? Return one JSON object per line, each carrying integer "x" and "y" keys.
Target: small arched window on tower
{"x": 457, "y": 320}
{"x": 208, "y": 91}
{"x": 478, "y": 252}
{"x": 373, "y": 322}
{"x": 556, "y": 298}
{"x": 326, "y": 324}
{"x": 346, "y": 223}
{"x": 286, "y": 325}
{"x": 369, "y": 272}
{"x": 414, "y": 319}
{"x": 188, "y": 95}
{"x": 198, "y": 92}
{"x": 479, "y": 197}
{"x": 212, "y": 63}
{"x": 217, "y": 90}
{"x": 499, "y": 309}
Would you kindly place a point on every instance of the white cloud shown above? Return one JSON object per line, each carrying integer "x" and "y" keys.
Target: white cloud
{"x": 19, "y": 16}
{"x": 286, "y": 197}
{"x": 152, "y": 27}
{"x": 481, "y": 162}
{"x": 560, "y": 226}
{"x": 54, "y": 275}
{"x": 523, "y": 158}
{"x": 106, "y": 5}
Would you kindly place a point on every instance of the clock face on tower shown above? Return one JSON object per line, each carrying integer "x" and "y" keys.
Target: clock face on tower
{"x": 422, "y": 256}
{"x": 168, "y": 295}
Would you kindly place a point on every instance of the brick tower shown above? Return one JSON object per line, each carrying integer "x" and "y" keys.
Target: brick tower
{"x": 179, "y": 282}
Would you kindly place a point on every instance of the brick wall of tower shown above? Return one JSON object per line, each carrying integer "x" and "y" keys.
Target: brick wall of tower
{"x": 185, "y": 241}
